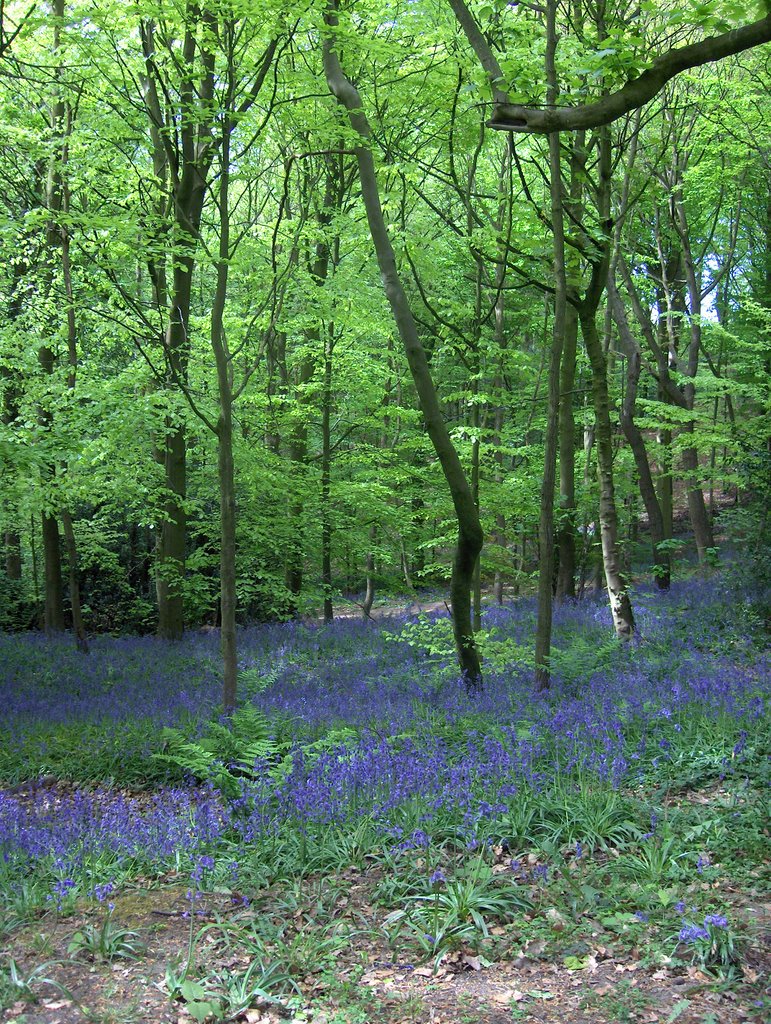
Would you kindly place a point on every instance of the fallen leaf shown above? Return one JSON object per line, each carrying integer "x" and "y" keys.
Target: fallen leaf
{"x": 505, "y": 996}
{"x": 536, "y": 993}
{"x": 536, "y": 948}
{"x": 555, "y": 919}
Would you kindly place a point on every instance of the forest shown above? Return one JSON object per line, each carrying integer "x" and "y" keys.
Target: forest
{"x": 386, "y": 464}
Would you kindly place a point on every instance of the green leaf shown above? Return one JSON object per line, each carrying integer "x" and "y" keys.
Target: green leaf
{"x": 576, "y": 963}
{"x": 678, "y": 1009}
{"x": 192, "y": 991}
{"x": 202, "y": 1010}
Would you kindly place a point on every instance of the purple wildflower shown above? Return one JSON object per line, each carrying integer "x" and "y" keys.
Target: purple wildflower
{"x": 715, "y": 921}
{"x": 691, "y": 933}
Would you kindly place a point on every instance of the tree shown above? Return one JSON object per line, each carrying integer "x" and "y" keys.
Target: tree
{"x": 469, "y": 542}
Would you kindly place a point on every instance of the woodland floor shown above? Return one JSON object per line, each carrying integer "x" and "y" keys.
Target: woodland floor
{"x": 364, "y": 984}
{"x": 553, "y": 966}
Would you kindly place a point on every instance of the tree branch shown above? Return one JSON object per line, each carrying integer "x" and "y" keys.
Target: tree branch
{"x": 511, "y": 117}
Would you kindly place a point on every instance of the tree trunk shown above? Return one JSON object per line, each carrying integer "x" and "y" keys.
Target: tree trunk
{"x": 78, "y": 627}
{"x": 52, "y": 564}
{"x": 54, "y": 597}
{"x": 52, "y": 575}
{"x": 661, "y": 559}
{"x": 700, "y": 522}
{"x": 173, "y": 529}
{"x": 469, "y": 542}
{"x": 12, "y": 543}
{"x": 369, "y": 593}
{"x": 664, "y": 490}
{"x": 369, "y": 596}
{"x": 224, "y": 431}
{"x": 633, "y": 434}
{"x": 546, "y": 520}
{"x": 476, "y": 583}
{"x": 326, "y": 465}
{"x": 228, "y": 601}
{"x": 566, "y": 535}
{"x": 10, "y": 406}
{"x": 298, "y": 451}
{"x": 620, "y": 605}
{"x": 193, "y": 154}
{"x": 172, "y": 538}
{"x": 697, "y": 509}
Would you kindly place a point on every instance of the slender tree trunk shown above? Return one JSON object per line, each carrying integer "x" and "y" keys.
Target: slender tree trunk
{"x": 78, "y": 626}
{"x": 52, "y": 559}
{"x": 469, "y": 542}
{"x": 326, "y": 468}
{"x": 369, "y": 593}
{"x": 499, "y": 339}
{"x": 664, "y": 483}
{"x": 418, "y": 562}
{"x": 173, "y": 528}
{"x": 12, "y": 543}
{"x": 54, "y": 595}
{"x": 633, "y": 434}
{"x": 228, "y": 600}
{"x": 566, "y": 535}
{"x": 193, "y": 153}
{"x": 661, "y": 559}
{"x": 476, "y": 584}
{"x": 546, "y": 520}
{"x": 298, "y": 445}
{"x": 369, "y": 596}
{"x": 298, "y": 452}
{"x": 697, "y": 509}
{"x": 224, "y": 432}
{"x": 9, "y": 381}
{"x": 700, "y": 522}
{"x": 500, "y": 519}
{"x": 620, "y": 605}
{"x": 35, "y": 574}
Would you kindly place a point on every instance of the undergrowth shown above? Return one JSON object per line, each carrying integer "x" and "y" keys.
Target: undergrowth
{"x": 625, "y": 799}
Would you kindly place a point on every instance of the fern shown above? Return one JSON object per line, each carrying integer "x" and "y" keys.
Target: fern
{"x": 190, "y": 758}
{"x": 584, "y": 657}
{"x": 253, "y": 681}
{"x": 224, "y": 753}
{"x": 249, "y": 721}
